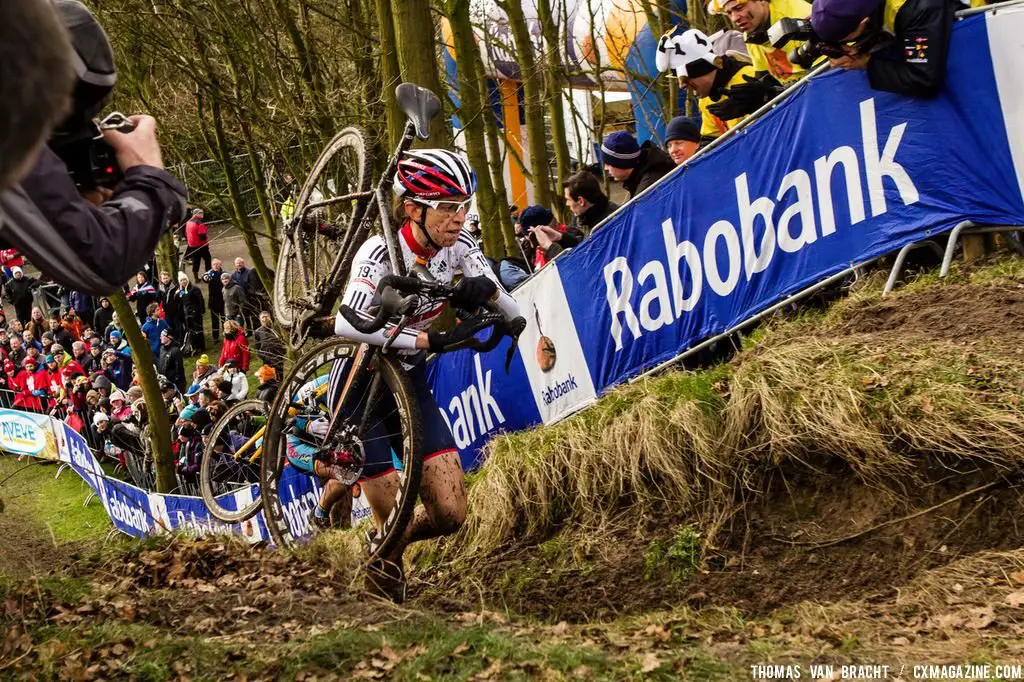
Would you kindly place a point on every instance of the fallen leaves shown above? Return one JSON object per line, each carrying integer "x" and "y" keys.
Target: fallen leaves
{"x": 650, "y": 662}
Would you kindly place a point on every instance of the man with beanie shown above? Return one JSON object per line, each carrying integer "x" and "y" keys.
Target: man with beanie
{"x": 682, "y": 138}
{"x": 19, "y": 293}
{"x": 690, "y": 56}
{"x": 588, "y": 203}
{"x": 267, "y": 390}
{"x": 902, "y": 44}
{"x": 545, "y": 235}
{"x": 636, "y": 166}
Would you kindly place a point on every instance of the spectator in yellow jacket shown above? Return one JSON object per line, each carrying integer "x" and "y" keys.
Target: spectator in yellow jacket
{"x": 690, "y": 57}
{"x": 754, "y": 17}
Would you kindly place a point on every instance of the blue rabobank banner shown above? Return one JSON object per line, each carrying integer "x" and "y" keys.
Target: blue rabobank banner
{"x": 838, "y": 174}
{"x": 142, "y": 513}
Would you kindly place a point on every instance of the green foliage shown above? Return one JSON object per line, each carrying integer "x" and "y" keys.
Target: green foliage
{"x": 679, "y": 557}
{"x": 53, "y": 503}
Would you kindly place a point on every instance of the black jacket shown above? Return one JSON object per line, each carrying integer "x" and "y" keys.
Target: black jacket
{"x": 234, "y": 299}
{"x": 216, "y": 291}
{"x": 654, "y": 165}
{"x": 187, "y": 306}
{"x": 172, "y": 365}
{"x": 79, "y": 245}
{"x": 102, "y": 318}
{"x": 268, "y": 391}
{"x": 915, "y": 64}
{"x": 19, "y": 292}
{"x": 594, "y": 215}
{"x": 268, "y": 345}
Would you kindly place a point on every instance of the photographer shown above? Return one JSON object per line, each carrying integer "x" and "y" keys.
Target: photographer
{"x": 902, "y": 44}
{"x": 36, "y": 77}
{"x": 83, "y": 246}
{"x": 691, "y": 57}
{"x": 772, "y": 65}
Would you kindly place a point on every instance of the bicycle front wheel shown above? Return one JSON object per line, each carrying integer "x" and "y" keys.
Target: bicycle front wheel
{"x": 318, "y": 234}
{"x": 386, "y": 418}
{"x": 231, "y": 462}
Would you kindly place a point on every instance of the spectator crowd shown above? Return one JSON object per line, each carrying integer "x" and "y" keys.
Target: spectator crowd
{"x": 74, "y": 363}
{"x": 730, "y": 75}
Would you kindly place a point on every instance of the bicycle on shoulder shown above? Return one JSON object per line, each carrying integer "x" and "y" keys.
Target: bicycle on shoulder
{"x": 335, "y": 212}
{"x": 378, "y": 423}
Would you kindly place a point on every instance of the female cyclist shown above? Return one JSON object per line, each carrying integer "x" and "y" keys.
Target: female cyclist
{"x": 433, "y": 189}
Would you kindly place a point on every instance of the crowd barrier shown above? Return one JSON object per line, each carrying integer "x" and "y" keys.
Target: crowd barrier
{"x": 140, "y": 513}
{"x": 834, "y": 176}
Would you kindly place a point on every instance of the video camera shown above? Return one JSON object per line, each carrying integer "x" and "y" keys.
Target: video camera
{"x": 92, "y": 162}
{"x": 789, "y": 29}
{"x": 807, "y": 53}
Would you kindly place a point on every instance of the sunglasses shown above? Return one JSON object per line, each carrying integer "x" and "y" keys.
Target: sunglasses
{"x": 446, "y": 207}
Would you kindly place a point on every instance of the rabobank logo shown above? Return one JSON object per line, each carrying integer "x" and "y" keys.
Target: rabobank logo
{"x": 546, "y": 354}
{"x": 559, "y": 390}
{"x": 802, "y": 211}
{"x": 19, "y": 434}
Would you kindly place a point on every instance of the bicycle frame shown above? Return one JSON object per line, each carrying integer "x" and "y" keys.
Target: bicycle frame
{"x": 316, "y": 301}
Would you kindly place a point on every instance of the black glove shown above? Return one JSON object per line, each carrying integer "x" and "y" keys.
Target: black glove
{"x": 515, "y": 326}
{"x": 440, "y": 341}
{"x": 748, "y": 97}
{"x": 473, "y": 292}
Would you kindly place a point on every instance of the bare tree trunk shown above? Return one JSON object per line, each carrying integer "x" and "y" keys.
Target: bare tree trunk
{"x": 496, "y": 159}
{"x": 156, "y": 411}
{"x": 417, "y": 56}
{"x": 220, "y": 149}
{"x": 471, "y": 111}
{"x": 390, "y": 71}
{"x": 539, "y": 162}
{"x": 307, "y": 58}
{"x": 167, "y": 254}
{"x": 555, "y": 76}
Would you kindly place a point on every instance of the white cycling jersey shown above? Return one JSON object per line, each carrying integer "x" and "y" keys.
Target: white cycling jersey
{"x": 371, "y": 263}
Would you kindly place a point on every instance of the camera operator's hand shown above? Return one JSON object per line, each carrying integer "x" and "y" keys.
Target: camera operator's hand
{"x": 137, "y": 148}
{"x": 97, "y": 196}
{"x": 857, "y": 62}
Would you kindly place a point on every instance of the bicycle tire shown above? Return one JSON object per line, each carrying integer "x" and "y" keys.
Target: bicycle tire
{"x": 317, "y": 251}
{"x": 398, "y": 383}
{"x": 207, "y": 473}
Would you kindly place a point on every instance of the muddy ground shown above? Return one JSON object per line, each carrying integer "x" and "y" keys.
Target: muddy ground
{"x": 815, "y": 568}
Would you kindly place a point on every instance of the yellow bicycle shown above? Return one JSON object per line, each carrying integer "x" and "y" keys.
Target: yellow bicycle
{"x": 231, "y": 460}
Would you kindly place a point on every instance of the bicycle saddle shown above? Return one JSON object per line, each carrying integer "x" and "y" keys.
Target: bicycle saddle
{"x": 420, "y": 105}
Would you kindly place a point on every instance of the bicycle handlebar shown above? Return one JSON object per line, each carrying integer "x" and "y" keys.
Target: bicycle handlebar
{"x": 391, "y": 288}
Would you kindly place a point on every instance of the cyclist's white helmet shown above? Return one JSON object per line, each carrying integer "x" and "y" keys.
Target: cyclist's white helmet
{"x": 433, "y": 174}
{"x": 687, "y": 55}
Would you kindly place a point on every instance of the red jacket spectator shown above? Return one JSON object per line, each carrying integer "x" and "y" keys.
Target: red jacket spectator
{"x": 31, "y": 385}
{"x": 10, "y": 258}
{"x": 235, "y": 346}
{"x": 195, "y": 232}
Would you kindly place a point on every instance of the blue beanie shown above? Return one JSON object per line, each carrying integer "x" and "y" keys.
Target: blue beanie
{"x": 535, "y": 215}
{"x": 620, "y": 150}
{"x": 682, "y": 128}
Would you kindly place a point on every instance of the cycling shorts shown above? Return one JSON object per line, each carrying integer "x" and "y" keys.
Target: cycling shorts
{"x": 382, "y": 444}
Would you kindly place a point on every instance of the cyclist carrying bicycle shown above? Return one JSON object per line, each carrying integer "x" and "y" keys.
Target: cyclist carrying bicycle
{"x": 433, "y": 189}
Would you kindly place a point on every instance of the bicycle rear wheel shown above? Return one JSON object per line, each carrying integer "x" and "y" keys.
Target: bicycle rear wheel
{"x": 231, "y": 462}
{"x": 313, "y": 240}
{"x": 386, "y": 410}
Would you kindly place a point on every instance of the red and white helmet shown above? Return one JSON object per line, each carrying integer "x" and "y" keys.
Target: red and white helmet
{"x": 434, "y": 174}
